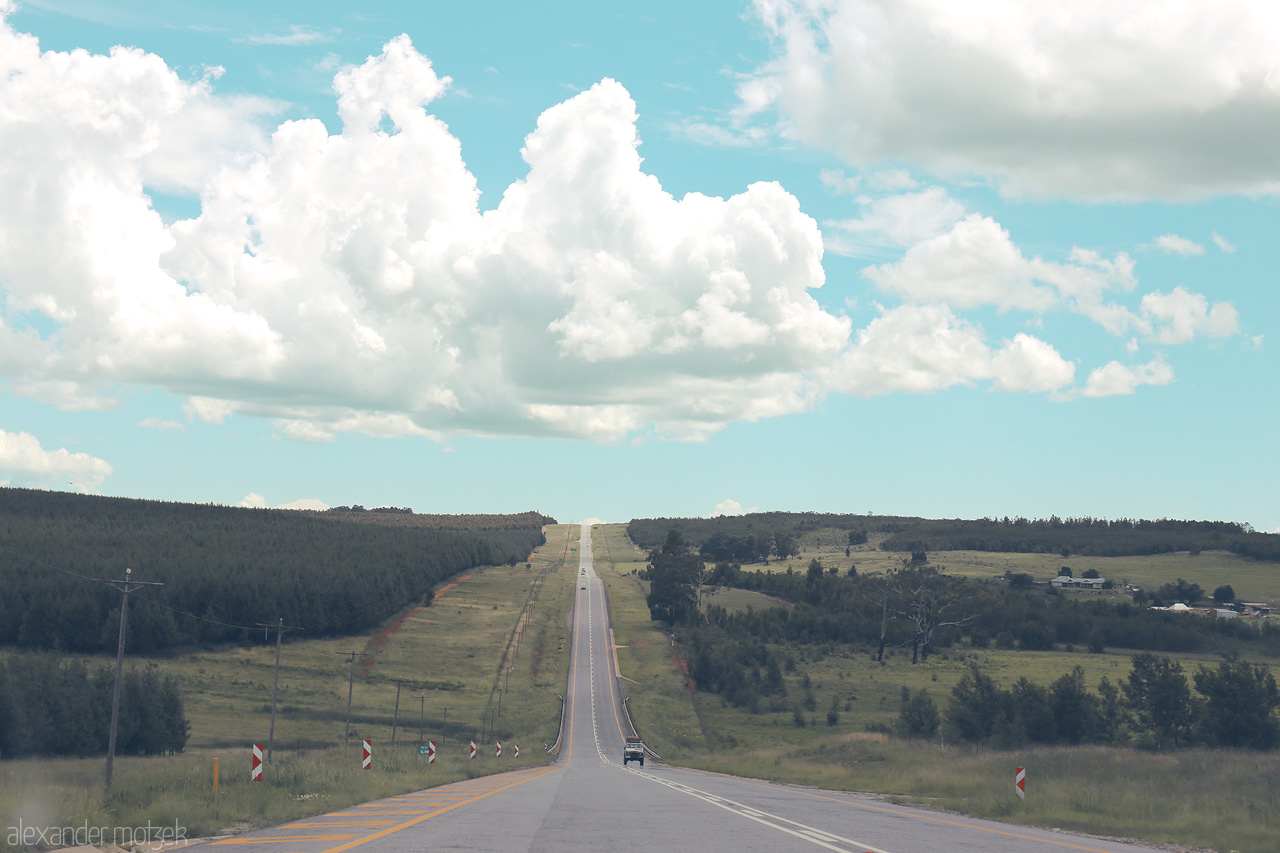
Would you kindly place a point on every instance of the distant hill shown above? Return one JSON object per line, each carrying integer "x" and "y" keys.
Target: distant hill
{"x": 225, "y": 569}
{"x": 1083, "y": 536}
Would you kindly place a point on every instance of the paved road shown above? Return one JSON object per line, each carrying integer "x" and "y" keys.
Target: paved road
{"x": 588, "y": 801}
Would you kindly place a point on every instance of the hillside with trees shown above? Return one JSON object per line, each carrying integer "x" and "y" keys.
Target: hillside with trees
{"x": 742, "y": 655}
{"x": 225, "y": 569}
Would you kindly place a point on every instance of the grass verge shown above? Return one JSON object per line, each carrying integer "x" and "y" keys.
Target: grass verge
{"x": 1221, "y": 800}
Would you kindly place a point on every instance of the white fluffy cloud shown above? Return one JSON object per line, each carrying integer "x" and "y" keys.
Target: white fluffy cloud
{"x": 253, "y": 500}
{"x": 305, "y": 503}
{"x": 350, "y": 281}
{"x": 161, "y": 423}
{"x": 1027, "y": 363}
{"x": 21, "y": 453}
{"x": 1116, "y": 378}
{"x": 895, "y": 221}
{"x": 1177, "y": 317}
{"x": 729, "y": 506}
{"x": 928, "y": 348}
{"x": 1173, "y": 244}
{"x": 976, "y": 264}
{"x": 1089, "y": 100}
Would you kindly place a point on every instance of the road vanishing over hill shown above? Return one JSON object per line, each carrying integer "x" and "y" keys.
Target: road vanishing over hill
{"x": 588, "y": 801}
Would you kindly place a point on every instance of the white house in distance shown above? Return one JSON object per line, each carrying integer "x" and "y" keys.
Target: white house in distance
{"x": 1065, "y": 582}
{"x": 1220, "y": 612}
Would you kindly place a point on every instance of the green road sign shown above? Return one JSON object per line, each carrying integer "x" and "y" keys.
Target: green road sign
{"x": 422, "y": 750}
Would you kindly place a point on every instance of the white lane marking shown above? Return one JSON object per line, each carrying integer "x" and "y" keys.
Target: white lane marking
{"x": 808, "y": 833}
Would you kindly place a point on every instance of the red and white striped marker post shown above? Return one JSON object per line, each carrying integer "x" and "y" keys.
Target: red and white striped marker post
{"x": 517, "y": 748}
{"x": 431, "y": 752}
{"x": 473, "y": 749}
{"x": 498, "y": 754}
{"x": 367, "y": 761}
{"x": 1020, "y": 782}
{"x": 255, "y": 772}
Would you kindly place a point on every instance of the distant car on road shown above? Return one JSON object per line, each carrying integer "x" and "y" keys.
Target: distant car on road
{"x": 633, "y": 750}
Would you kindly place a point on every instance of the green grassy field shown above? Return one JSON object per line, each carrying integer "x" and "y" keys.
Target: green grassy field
{"x": 1221, "y": 800}
{"x": 1251, "y": 580}
{"x": 487, "y": 655}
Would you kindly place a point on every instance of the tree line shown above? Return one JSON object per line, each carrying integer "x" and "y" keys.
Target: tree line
{"x": 727, "y": 537}
{"x": 53, "y": 707}
{"x": 1082, "y": 536}
{"x": 914, "y": 606}
{"x": 1154, "y": 708}
{"x": 224, "y": 569}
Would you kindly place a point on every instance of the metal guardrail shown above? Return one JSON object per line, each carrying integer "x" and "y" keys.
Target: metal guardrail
{"x": 555, "y": 747}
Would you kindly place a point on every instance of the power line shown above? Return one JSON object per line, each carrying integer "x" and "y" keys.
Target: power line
{"x": 47, "y": 565}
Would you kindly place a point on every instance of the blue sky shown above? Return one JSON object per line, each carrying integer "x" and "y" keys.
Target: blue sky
{"x": 615, "y": 261}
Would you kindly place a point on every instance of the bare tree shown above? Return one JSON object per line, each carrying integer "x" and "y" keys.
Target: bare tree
{"x": 929, "y": 602}
{"x": 704, "y": 585}
{"x": 886, "y": 595}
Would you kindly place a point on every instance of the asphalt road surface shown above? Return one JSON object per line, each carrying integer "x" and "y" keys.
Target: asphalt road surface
{"x": 588, "y": 801}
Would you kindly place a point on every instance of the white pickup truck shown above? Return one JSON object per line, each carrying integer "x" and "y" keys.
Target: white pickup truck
{"x": 633, "y": 750}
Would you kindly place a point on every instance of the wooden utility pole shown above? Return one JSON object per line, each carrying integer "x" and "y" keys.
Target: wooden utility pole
{"x": 275, "y": 688}
{"x": 396, "y": 719}
{"x": 351, "y": 679}
{"x": 127, "y": 586}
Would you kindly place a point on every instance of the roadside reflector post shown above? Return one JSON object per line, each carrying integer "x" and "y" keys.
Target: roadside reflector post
{"x": 255, "y": 769}
{"x": 1020, "y": 782}
{"x": 215, "y": 775}
{"x": 367, "y": 761}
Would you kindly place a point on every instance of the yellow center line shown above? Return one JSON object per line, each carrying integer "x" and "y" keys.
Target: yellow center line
{"x": 443, "y": 796}
{"x": 339, "y": 825}
{"x": 277, "y": 839}
{"x": 382, "y": 833}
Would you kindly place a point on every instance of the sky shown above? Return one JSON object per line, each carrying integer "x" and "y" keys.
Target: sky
{"x": 637, "y": 260}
